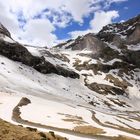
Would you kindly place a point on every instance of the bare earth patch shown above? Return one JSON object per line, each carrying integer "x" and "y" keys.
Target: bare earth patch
{"x": 71, "y": 118}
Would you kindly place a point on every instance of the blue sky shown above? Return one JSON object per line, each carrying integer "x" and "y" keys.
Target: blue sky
{"x": 126, "y": 10}
{"x": 48, "y": 22}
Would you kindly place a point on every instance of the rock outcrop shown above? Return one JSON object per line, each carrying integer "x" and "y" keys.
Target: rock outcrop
{"x": 18, "y": 52}
{"x": 4, "y": 31}
{"x": 89, "y": 42}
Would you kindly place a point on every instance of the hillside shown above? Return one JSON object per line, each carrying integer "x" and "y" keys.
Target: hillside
{"x": 85, "y": 88}
{"x": 9, "y": 132}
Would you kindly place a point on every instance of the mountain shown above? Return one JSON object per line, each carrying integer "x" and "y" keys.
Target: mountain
{"x": 114, "y": 51}
{"x": 128, "y": 31}
{"x": 83, "y": 87}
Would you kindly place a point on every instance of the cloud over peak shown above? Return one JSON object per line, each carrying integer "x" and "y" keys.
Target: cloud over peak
{"x": 37, "y": 21}
{"x": 102, "y": 18}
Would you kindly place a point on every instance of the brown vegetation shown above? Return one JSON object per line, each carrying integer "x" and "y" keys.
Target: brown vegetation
{"x": 122, "y": 138}
{"x": 122, "y": 84}
{"x": 9, "y": 131}
{"x": 71, "y": 118}
{"x": 89, "y": 130}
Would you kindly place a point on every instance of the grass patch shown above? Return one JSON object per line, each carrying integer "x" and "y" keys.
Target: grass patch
{"x": 78, "y": 122}
{"x": 89, "y": 130}
{"x": 9, "y": 131}
{"x": 122, "y": 138}
{"x": 74, "y": 119}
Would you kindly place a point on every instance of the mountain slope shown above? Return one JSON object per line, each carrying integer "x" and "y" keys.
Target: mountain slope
{"x": 17, "y": 52}
{"x": 96, "y": 74}
{"x": 9, "y": 131}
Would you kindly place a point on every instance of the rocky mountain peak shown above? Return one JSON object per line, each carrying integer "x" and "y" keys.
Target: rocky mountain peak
{"x": 117, "y": 34}
{"x": 123, "y": 29}
{"x": 88, "y": 42}
{"x": 4, "y": 31}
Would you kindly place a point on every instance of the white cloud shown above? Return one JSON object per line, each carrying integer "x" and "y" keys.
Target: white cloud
{"x": 58, "y": 13}
{"x": 75, "y": 34}
{"x": 8, "y": 19}
{"x": 79, "y": 8}
{"x": 109, "y": 2}
{"x": 39, "y": 32}
{"x": 36, "y": 31}
{"x": 60, "y": 22}
{"x": 101, "y": 19}
{"x": 76, "y": 9}
{"x": 112, "y": 1}
{"x": 122, "y": 21}
{"x": 126, "y": 8}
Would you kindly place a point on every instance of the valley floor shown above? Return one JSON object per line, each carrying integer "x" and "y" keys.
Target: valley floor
{"x": 66, "y": 118}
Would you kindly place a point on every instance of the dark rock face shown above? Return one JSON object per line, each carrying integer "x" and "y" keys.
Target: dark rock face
{"x": 88, "y": 42}
{"x": 61, "y": 57}
{"x": 134, "y": 38}
{"x": 123, "y": 66}
{"x": 62, "y": 44}
{"x": 105, "y": 89}
{"x": 108, "y": 54}
{"x": 121, "y": 84}
{"x": 17, "y": 52}
{"x": 4, "y": 31}
{"x": 121, "y": 35}
{"x": 119, "y": 42}
{"x": 132, "y": 57}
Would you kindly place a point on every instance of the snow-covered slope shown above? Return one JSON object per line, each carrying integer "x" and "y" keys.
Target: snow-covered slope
{"x": 92, "y": 82}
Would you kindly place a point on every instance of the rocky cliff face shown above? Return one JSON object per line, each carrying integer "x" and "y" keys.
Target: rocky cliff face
{"x": 4, "y": 31}
{"x": 89, "y": 42}
{"x": 17, "y": 52}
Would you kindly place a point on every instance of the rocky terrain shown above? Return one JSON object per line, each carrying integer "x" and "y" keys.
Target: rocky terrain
{"x": 115, "y": 49}
{"x": 93, "y": 80}
{"x": 17, "y": 52}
